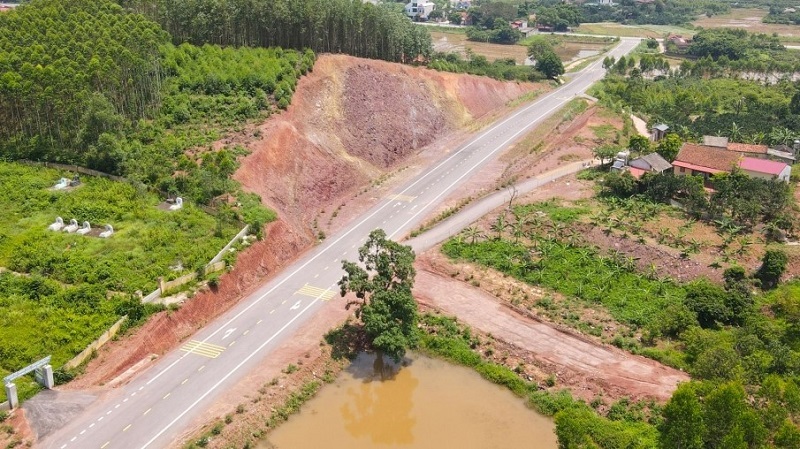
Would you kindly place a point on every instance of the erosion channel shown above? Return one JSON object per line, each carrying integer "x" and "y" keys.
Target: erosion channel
{"x": 426, "y": 403}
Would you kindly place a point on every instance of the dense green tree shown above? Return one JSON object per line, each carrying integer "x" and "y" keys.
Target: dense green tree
{"x": 773, "y": 264}
{"x": 669, "y": 146}
{"x": 606, "y": 153}
{"x": 639, "y": 144}
{"x": 383, "y": 288}
{"x": 683, "y": 426}
{"x": 333, "y": 26}
{"x": 619, "y": 184}
{"x": 708, "y": 301}
{"x": 550, "y": 65}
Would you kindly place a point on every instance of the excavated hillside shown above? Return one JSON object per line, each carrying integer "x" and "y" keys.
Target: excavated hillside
{"x": 352, "y": 120}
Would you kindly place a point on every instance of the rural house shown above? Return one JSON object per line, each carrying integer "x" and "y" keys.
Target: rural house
{"x": 649, "y": 163}
{"x": 704, "y": 160}
{"x": 708, "y": 160}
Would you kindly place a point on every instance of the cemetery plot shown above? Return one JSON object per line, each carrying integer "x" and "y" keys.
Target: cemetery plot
{"x": 63, "y": 285}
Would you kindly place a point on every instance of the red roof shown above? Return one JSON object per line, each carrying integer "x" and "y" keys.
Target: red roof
{"x": 636, "y": 172}
{"x": 699, "y": 168}
{"x": 747, "y": 148}
{"x": 762, "y": 166}
{"x": 706, "y": 158}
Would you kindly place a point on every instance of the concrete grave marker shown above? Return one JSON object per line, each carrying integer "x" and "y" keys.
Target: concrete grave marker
{"x": 56, "y": 225}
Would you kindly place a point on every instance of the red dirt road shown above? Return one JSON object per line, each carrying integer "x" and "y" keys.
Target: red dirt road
{"x": 585, "y": 364}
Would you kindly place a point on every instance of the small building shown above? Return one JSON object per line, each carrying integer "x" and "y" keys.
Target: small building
{"x": 749, "y": 150}
{"x": 715, "y": 141}
{"x": 651, "y": 163}
{"x": 679, "y": 41}
{"x": 419, "y": 10}
{"x": 765, "y": 169}
{"x": 658, "y": 132}
{"x": 782, "y": 153}
{"x": 704, "y": 160}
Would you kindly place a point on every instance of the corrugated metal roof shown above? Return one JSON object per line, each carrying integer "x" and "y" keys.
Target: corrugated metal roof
{"x": 762, "y": 166}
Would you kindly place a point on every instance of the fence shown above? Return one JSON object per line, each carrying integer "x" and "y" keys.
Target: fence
{"x": 216, "y": 264}
{"x": 75, "y": 168}
{"x": 95, "y": 345}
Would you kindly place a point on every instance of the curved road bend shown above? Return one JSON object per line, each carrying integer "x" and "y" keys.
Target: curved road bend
{"x": 152, "y": 410}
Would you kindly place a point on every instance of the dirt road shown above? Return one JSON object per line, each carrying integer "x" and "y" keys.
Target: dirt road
{"x": 583, "y": 363}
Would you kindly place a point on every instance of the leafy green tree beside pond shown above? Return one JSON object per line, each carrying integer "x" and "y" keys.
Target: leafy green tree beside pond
{"x": 383, "y": 288}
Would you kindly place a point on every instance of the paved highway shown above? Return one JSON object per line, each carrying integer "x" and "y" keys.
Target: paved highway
{"x": 152, "y": 410}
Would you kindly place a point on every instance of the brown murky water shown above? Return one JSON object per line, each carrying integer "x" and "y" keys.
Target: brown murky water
{"x": 426, "y": 404}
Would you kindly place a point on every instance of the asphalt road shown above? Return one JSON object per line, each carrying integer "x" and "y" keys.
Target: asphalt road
{"x": 153, "y": 409}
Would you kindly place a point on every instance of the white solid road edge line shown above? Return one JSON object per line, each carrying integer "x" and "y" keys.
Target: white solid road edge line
{"x": 236, "y": 368}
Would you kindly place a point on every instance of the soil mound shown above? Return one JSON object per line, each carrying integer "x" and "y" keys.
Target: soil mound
{"x": 352, "y": 120}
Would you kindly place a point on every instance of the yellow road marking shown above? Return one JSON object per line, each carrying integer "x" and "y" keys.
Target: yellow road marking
{"x": 406, "y": 198}
{"x": 232, "y": 343}
{"x": 166, "y": 395}
{"x": 272, "y": 311}
{"x": 259, "y": 321}
{"x": 316, "y": 292}
{"x": 107, "y": 443}
{"x": 126, "y": 428}
{"x": 147, "y": 411}
{"x": 201, "y": 368}
{"x": 184, "y": 381}
{"x": 204, "y": 349}
{"x": 246, "y": 332}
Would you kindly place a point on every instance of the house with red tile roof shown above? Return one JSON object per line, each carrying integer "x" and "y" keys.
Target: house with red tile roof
{"x": 704, "y": 160}
{"x": 709, "y": 160}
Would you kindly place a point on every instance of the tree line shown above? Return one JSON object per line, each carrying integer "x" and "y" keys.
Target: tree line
{"x": 65, "y": 67}
{"x": 329, "y": 26}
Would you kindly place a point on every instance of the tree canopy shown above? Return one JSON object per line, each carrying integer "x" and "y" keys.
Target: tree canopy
{"x": 332, "y": 26}
{"x": 383, "y": 288}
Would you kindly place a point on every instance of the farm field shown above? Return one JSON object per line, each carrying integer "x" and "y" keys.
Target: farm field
{"x": 615, "y": 29}
{"x": 62, "y": 290}
{"x": 750, "y": 19}
{"x": 567, "y": 49}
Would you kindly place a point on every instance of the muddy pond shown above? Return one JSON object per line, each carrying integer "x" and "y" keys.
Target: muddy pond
{"x": 427, "y": 403}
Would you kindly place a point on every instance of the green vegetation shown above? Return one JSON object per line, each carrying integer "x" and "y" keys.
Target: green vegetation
{"x": 383, "y": 288}
{"x": 147, "y": 241}
{"x": 582, "y": 272}
{"x": 740, "y": 347}
{"x": 501, "y": 69}
{"x": 105, "y": 89}
{"x": 669, "y": 12}
{"x": 43, "y": 317}
{"x": 547, "y": 61}
{"x": 330, "y": 26}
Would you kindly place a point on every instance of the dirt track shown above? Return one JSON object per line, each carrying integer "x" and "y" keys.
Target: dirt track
{"x": 578, "y": 362}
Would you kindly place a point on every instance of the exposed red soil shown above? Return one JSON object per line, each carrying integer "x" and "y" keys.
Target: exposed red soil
{"x": 580, "y": 363}
{"x": 351, "y": 120}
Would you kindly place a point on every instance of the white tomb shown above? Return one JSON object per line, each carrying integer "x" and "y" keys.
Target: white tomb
{"x": 56, "y": 225}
